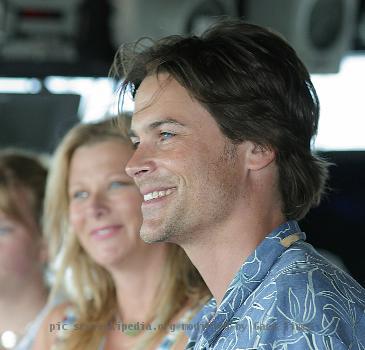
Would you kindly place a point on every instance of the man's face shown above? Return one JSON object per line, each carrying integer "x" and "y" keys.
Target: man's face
{"x": 187, "y": 170}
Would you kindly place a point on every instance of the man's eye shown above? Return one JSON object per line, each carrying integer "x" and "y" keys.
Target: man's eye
{"x": 165, "y": 135}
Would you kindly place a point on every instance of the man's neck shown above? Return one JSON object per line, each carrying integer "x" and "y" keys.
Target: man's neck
{"x": 220, "y": 252}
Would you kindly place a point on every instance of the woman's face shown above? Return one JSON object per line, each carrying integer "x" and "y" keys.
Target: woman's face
{"x": 105, "y": 204}
{"x": 21, "y": 248}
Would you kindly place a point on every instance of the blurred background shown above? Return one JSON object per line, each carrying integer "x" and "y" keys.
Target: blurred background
{"x": 55, "y": 57}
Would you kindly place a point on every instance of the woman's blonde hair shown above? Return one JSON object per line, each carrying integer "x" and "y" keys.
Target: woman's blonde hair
{"x": 94, "y": 290}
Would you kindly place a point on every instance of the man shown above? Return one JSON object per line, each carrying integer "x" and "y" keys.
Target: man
{"x": 223, "y": 125}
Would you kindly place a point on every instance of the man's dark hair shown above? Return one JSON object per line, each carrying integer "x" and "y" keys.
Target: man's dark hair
{"x": 254, "y": 86}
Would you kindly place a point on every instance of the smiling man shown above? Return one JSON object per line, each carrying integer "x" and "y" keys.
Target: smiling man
{"x": 223, "y": 125}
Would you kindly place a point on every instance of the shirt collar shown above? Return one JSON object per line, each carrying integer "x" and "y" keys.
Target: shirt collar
{"x": 249, "y": 276}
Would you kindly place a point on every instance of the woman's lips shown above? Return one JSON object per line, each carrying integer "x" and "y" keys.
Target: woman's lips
{"x": 105, "y": 232}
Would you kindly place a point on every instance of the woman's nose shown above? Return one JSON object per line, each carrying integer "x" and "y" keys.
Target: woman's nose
{"x": 98, "y": 205}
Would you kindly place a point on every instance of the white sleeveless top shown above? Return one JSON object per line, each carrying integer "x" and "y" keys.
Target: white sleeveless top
{"x": 26, "y": 342}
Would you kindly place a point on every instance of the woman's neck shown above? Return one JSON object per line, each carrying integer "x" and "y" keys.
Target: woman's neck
{"x": 137, "y": 284}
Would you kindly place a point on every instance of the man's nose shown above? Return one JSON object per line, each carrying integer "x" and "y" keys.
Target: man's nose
{"x": 141, "y": 163}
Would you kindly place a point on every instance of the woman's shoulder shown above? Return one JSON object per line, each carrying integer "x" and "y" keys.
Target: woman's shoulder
{"x": 52, "y": 325}
{"x": 61, "y": 313}
{"x": 176, "y": 339}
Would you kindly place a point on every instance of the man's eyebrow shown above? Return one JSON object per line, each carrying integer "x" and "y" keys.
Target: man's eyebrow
{"x": 156, "y": 124}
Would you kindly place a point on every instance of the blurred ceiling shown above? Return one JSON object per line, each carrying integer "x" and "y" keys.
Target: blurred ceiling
{"x": 79, "y": 37}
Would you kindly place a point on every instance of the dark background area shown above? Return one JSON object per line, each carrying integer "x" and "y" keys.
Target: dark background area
{"x": 338, "y": 223}
{"x": 36, "y": 121}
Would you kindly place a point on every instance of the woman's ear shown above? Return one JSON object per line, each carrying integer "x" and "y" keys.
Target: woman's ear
{"x": 259, "y": 156}
{"x": 43, "y": 251}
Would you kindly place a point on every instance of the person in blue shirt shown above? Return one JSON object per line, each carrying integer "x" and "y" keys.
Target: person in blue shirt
{"x": 223, "y": 126}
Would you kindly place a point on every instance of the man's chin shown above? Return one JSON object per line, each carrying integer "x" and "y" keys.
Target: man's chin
{"x": 151, "y": 236}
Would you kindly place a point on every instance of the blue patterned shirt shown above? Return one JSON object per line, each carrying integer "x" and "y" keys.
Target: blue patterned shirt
{"x": 285, "y": 296}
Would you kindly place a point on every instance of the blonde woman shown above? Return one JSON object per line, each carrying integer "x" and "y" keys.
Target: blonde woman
{"x": 127, "y": 294}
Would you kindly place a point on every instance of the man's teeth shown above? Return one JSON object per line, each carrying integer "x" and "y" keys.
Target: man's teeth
{"x": 156, "y": 194}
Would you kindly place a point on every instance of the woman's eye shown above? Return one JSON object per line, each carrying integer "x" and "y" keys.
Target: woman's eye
{"x": 80, "y": 195}
{"x": 117, "y": 184}
{"x": 4, "y": 230}
{"x": 165, "y": 135}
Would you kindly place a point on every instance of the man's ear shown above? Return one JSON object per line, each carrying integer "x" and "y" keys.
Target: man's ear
{"x": 259, "y": 156}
